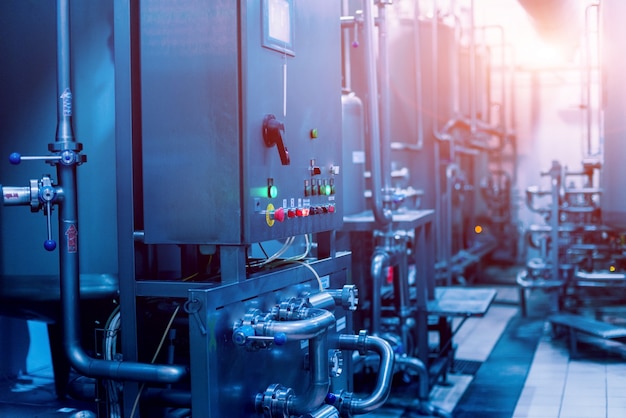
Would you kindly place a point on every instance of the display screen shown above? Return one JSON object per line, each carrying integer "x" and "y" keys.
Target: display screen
{"x": 278, "y": 18}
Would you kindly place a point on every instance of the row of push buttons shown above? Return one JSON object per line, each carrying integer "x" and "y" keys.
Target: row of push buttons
{"x": 280, "y": 213}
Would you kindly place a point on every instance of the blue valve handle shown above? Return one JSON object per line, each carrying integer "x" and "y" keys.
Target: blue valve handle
{"x": 15, "y": 158}
{"x": 49, "y": 244}
{"x": 245, "y": 333}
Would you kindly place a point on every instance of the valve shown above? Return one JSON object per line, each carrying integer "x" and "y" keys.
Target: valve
{"x": 16, "y": 158}
{"x": 272, "y": 129}
{"x": 47, "y": 194}
{"x": 66, "y": 157}
{"x": 244, "y": 335}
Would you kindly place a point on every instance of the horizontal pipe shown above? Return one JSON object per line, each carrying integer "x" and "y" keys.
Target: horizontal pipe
{"x": 581, "y": 275}
{"x": 14, "y": 196}
{"x": 316, "y": 323}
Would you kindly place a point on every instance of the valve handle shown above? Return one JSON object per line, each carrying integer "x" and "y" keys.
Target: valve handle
{"x": 272, "y": 129}
{"x": 243, "y": 334}
{"x": 15, "y": 158}
{"x": 49, "y": 244}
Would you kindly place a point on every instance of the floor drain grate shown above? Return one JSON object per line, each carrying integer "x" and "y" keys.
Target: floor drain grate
{"x": 466, "y": 366}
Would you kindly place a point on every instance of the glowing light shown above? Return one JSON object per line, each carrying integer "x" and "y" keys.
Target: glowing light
{"x": 478, "y": 229}
{"x": 612, "y": 268}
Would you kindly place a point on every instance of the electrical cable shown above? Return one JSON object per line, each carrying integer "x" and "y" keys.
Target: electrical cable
{"x": 156, "y": 353}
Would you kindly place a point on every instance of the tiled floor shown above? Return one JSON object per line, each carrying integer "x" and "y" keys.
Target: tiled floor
{"x": 592, "y": 386}
{"x": 560, "y": 387}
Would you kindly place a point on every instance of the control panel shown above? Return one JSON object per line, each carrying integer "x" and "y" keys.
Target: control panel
{"x": 241, "y": 119}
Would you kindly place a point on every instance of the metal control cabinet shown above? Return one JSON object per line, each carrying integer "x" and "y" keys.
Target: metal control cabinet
{"x": 212, "y": 72}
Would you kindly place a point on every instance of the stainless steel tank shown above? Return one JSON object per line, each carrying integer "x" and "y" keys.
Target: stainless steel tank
{"x": 353, "y": 143}
{"x": 613, "y": 32}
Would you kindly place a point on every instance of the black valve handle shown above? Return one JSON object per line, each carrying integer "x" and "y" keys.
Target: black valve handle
{"x": 272, "y": 135}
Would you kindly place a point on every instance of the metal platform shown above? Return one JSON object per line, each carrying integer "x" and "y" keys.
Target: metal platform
{"x": 461, "y": 301}
{"x": 410, "y": 219}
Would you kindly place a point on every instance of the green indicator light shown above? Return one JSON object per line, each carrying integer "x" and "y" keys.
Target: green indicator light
{"x": 313, "y": 133}
{"x": 272, "y": 192}
{"x": 327, "y": 190}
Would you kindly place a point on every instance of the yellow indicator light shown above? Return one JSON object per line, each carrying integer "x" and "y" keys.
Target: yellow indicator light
{"x": 612, "y": 268}
{"x": 478, "y": 229}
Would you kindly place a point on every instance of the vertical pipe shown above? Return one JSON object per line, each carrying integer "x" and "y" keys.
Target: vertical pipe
{"x": 347, "y": 63}
{"x": 382, "y": 215}
{"x": 472, "y": 72}
{"x": 554, "y": 221}
{"x": 65, "y": 131}
{"x": 68, "y": 235}
{"x": 385, "y": 106}
{"x": 320, "y": 382}
{"x": 418, "y": 77}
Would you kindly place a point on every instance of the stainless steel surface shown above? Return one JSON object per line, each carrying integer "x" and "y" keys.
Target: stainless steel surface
{"x": 207, "y": 85}
{"x": 614, "y": 108}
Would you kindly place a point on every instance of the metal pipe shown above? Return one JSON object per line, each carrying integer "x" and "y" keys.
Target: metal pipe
{"x": 380, "y": 260}
{"x": 451, "y": 170}
{"x": 316, "y": 323}
{"x": 68, "y": 237}
{"x": 382, "y": 214}
{"x": 554, "y": 221}
{"x": 588, "y": 69}
{"x": 582, "y": 275}
{"x": 319, "y": 384}
{"x": 472, "y": 74}
{"x": 385, "y": 372}
{"x": 418, "y": 366}
{"x": 326, "y": 411}
{"x": 346, "y": 23}
{"x": 385, "y": 101}
{"x": 14, "y": 196}
{"x": 419, "y": 93}
{"x": 323, "y": 300}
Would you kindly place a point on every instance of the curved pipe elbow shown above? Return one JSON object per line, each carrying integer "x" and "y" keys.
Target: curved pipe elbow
{"x": 418, "y": 366}
{"x": 385, "y": 372}
{"x": 117, "y": 370}
{"x": 317, "y": 322}
{"x": 380, "y": 260}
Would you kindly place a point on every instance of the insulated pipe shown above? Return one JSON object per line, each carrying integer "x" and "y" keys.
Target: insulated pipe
{"x": 380, "y": 260}
{"x": 382, "y": 214}
{"x": 68, "y": 238}
{"x": 385, "y": 372}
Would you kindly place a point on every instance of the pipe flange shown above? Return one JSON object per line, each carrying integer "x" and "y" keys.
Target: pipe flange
{"x": 362, "y": 342}
{"x": 273, "y": 402}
